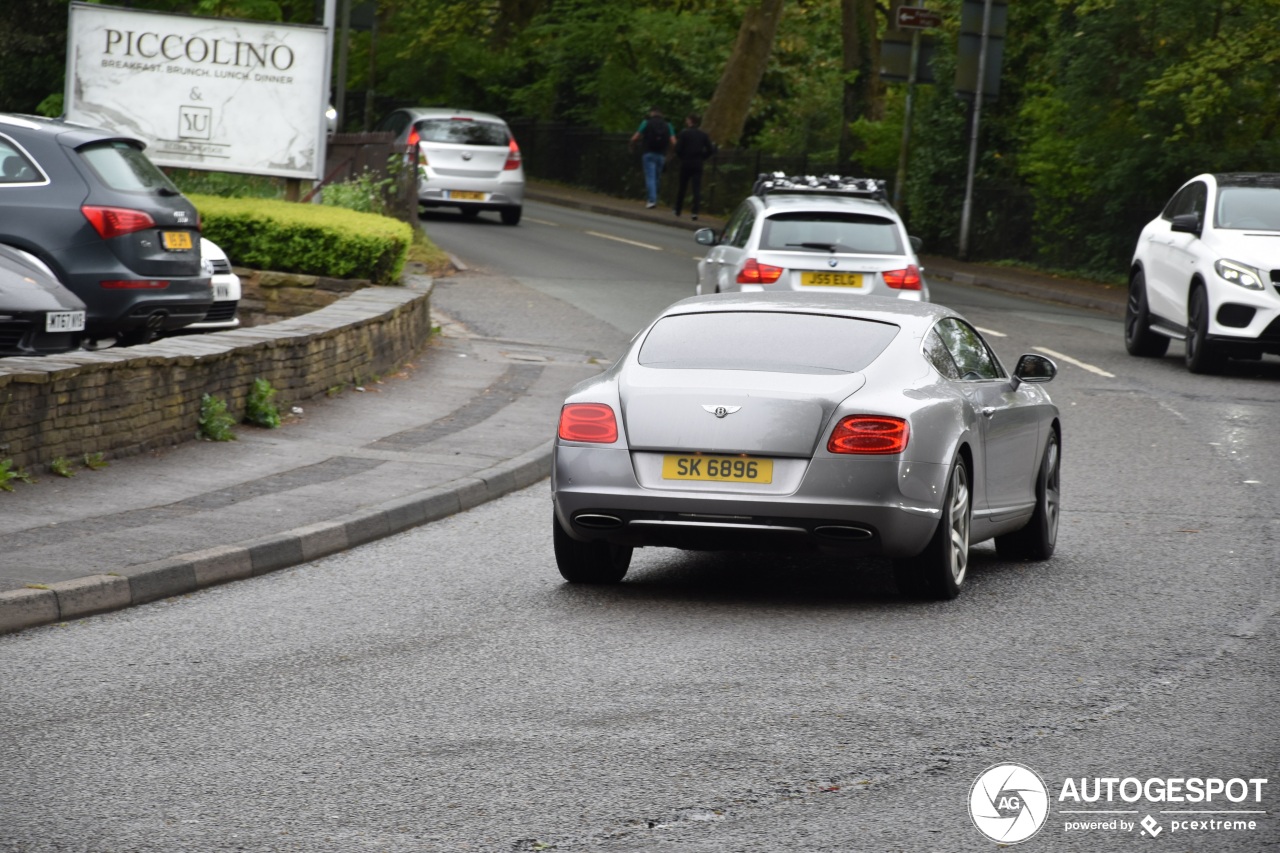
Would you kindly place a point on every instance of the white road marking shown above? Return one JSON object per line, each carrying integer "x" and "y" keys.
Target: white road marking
{"x": 992, "y": 332}
{"x": 542, "y": 222}
{"x": 624, "y": 240}
{"x": 1080, "y": 364}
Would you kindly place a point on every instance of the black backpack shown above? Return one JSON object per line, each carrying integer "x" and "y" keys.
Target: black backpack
{"x": 657, "y": 135}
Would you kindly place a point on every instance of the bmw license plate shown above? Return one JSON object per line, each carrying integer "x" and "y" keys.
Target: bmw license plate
{"x": 64, "y": 321}
{"x": 465, "y": 195}
{"x": 176, "y": 241}
{"x": 725, "y": 469}
{"x": 831, "y": 279}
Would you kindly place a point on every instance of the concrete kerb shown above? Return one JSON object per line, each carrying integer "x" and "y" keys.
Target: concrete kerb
{"x": 28, "y": 608}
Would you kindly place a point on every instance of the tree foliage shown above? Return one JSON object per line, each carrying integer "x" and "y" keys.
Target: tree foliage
{"x": 1105, "y": 106}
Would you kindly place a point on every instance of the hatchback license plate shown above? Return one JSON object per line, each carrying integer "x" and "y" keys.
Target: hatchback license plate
{"x": 831, "y": 279}
{"x": 725, "y": 469}
{"x": 176, "y": 241}
{"x": 465, "y": 195}
{"x": 221, "y": 291}
{"x": 64, "y": 321}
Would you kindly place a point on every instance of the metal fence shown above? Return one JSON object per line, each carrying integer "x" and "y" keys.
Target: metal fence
{"x": 1003, "y": 226}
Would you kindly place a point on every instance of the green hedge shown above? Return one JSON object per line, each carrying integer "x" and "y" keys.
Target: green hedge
{"x": 310, "y": 239}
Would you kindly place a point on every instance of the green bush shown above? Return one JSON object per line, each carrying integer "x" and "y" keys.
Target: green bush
{"x": 214, "y": 423}
{"x": 306, "y": 238}
{"x": 259, "y": 408}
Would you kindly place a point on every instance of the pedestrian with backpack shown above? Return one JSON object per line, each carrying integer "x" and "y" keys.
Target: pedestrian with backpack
{"x": 693, "y": 148}
{"x": 656, "y": 136}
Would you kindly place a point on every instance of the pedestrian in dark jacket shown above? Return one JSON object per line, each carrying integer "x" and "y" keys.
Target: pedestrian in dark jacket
{"x": 693, "y": 148}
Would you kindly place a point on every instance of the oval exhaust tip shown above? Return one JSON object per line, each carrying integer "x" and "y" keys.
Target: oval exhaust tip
{"x": 597, "y": 521}
{"x": 847, "y": 534}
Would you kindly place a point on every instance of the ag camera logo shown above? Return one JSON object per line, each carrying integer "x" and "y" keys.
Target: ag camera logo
{"x": 1008, "y": 803}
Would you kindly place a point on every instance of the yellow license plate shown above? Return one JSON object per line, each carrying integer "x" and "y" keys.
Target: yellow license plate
{"x": 465, "y": 195}
{"x": 725, "y": 469}
{"x": 831, "y": 279}
{"x": 176, "y": 241}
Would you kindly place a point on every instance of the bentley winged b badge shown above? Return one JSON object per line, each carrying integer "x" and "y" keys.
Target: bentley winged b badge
{"x": 721, "y": 411}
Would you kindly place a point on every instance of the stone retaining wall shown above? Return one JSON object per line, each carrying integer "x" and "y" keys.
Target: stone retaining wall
{"x": 119, "y": 402}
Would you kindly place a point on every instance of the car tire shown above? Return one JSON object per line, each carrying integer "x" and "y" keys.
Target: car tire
{"x": 588, "y": 562}
{"x": 511, "y": 215}
{"x": 1139, "y": 340}
{"x": 938, "y": 572}
{"x": 1201, "y": 355}
{"x": 1037, "y": 540}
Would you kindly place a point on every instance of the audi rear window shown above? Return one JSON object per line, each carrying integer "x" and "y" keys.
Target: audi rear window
{"x": 122, "y": 166}
{"x": 818, "y": 231}
{"x": 766, "y": 341}
{"x": 462, "y": 132}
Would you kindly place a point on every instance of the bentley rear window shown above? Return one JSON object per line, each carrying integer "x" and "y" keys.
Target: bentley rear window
{"x": 771, "y": 342}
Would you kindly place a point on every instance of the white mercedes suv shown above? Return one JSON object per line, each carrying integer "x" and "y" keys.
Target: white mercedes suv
{"x": 1207, "y": 272}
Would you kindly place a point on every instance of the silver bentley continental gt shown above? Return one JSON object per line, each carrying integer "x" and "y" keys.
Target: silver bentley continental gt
{"x": 868, "y": 426}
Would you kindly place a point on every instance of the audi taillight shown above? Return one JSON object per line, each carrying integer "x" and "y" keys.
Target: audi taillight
{"x": 112, "y": 222}
{"x": 754, "y": 272}
{"x": 513, "y": 157}
{"x": 908, "y": 279}
{"x": 593, "y": 422}
{"x": 873, "y": 434}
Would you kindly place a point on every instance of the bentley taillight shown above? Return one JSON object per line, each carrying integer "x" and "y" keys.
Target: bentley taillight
{"x": 593, "y": 422}
{"x": 871, "y": 434}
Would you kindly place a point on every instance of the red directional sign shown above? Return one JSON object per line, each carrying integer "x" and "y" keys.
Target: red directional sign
{"x": 915, "y": 18}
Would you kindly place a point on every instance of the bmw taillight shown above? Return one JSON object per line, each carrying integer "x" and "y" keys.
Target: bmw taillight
{"x": 872, "y": 434}
{"x": 593, "y": 422}
{"x": 112, "y": 222}
{"x": 908, "y": 279}
{"x": 754, "y": 272}
{"x": 513, "y": 157}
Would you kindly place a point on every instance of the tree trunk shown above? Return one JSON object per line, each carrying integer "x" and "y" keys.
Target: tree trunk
{"x": 727, "y": 113}
{"x": 861, "y": 66}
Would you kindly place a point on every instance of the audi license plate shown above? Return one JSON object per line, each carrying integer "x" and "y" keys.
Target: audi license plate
{"x": 831, "y": 279}
{"x": 725, "y": 469}
{"x": 64, "y": 321}
{"x": 465, "y": 195}
{"x": 176, "y": 241}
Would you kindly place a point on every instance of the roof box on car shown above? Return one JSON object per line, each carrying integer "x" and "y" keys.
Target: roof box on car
{"x": 778, "y": 182}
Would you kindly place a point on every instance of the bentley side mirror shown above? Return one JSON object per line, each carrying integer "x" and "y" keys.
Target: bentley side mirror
{"x": 1035, "y": 368}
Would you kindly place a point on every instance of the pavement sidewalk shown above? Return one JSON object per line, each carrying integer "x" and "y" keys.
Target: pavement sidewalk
{"x": 450, "y": 431}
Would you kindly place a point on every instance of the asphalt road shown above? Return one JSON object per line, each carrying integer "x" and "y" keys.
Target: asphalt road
{"x": 713, "y": 702}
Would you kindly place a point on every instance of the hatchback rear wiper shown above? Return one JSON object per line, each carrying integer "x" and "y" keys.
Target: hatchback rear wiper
{"x": 828, "y": 247}
{"x": 167, "y": 191}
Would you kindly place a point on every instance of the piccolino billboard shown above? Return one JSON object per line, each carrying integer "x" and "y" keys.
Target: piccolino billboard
{"x": 203, "y": 93}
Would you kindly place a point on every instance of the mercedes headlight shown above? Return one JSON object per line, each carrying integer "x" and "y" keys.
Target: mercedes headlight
{"x": 1238, "y": 273}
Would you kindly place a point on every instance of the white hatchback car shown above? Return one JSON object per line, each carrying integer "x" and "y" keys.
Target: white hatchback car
{"x": 1207, "y": 272}
{"x": 226, "y": 291}
{"x": 466, "y": 159}
{"x": 816, "y": 234}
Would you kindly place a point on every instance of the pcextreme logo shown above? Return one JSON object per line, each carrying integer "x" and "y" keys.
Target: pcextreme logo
{"x": 1009, "y": 804}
